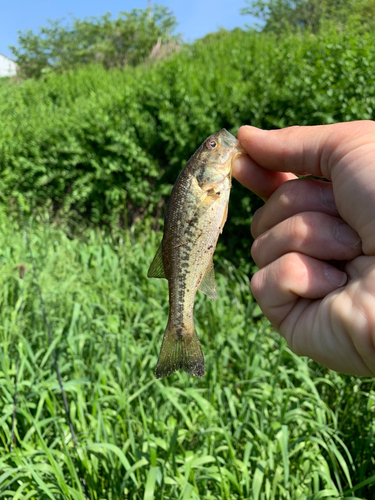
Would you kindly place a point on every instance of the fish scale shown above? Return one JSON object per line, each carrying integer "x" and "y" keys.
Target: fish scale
{"x": 196, "y": 213}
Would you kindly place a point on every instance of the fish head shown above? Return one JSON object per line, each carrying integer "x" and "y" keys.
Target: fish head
{"x": 216, "y": 156}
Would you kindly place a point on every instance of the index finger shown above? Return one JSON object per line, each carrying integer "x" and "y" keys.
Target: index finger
{"x": 261, "y": 181}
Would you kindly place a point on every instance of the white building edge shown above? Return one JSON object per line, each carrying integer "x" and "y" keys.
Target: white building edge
{"x": 7, "y": 66}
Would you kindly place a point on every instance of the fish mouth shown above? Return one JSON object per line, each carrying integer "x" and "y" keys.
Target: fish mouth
{"x": 228, "y": 139}
{"x": 231, "y": 142}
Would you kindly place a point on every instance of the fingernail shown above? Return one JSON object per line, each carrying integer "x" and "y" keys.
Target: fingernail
{"x": 326, "y": 196}
{"x": 346, "y": 235}
{"x": 334, "y": 276}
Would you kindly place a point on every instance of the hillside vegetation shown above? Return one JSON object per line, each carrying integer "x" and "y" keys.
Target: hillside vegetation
{"x": 106, "y": 146}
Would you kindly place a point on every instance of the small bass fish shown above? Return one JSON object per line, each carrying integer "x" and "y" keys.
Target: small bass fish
{"x": 196, "y": 214}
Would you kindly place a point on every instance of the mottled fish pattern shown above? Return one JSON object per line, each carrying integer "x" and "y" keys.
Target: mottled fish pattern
{"x": 196, "y": 214}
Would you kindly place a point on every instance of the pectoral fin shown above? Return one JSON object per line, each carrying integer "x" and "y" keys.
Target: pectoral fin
{"x": 156, "y": 269}
{"x": 204, "y": 197}
{"x": 212, "y": 182}
{"x": 208, "y": 285}
{"x": 203, "y": 201}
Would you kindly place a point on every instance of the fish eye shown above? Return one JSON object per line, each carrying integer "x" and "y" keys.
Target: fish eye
{"x": 211, "y": 144}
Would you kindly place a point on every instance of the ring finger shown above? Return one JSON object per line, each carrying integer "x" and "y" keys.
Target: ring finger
{"x": 314, "y": 234}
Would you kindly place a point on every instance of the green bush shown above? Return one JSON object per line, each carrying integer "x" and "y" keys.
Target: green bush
{"x": 108, "y": 145}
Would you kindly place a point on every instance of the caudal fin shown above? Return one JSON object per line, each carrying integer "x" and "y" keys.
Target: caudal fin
{"x": 180, "y": 351}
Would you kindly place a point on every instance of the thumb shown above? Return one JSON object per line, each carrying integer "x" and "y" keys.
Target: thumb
{"x": 343, "y": 153}
{"x": 310, "y": 150}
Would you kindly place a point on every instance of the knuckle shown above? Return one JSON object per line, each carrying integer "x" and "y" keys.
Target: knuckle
{"x": 255, "y": 227}
{"x": 256, "y": 285}
{"x": 292, "y": 268}
{"x": 255, "y": 252}
{"x": 289, "y": 191}
{"x": 297, "y": 229}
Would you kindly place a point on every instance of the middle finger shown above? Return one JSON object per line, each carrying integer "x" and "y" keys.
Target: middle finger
{"x": 314, "y": 234}
{"x": 291, "y": 198}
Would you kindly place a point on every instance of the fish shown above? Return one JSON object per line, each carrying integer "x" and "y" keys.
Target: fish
{"x": 195, "y": 216}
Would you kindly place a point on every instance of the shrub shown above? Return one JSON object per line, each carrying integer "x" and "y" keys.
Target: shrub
{"x": 108, "y": 145}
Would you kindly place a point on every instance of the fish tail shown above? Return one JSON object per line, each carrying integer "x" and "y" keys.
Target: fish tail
{"x": 180, "y": 350}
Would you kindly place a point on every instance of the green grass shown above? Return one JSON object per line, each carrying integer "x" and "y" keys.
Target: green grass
{"x": 262, "y": 424}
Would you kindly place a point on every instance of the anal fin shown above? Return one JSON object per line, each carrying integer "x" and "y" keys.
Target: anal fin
{"x": 156, "y": 270}
{"x": 208, "y": 285}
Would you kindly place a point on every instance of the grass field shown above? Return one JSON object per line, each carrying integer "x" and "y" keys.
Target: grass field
{"x": 262, "y": 424}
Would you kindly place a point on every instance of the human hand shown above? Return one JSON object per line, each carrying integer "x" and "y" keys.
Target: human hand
{"x": 305, "y": 227}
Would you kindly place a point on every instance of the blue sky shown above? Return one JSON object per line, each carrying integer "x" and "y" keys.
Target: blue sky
{"x": 195, "y": 17}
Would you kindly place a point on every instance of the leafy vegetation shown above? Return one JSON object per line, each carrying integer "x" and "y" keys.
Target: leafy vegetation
{"x": 127, "y": 40}
{"x": 278, "y": 16}
{"x": 262, "y": 424}
{"x": 106, "y": 146}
